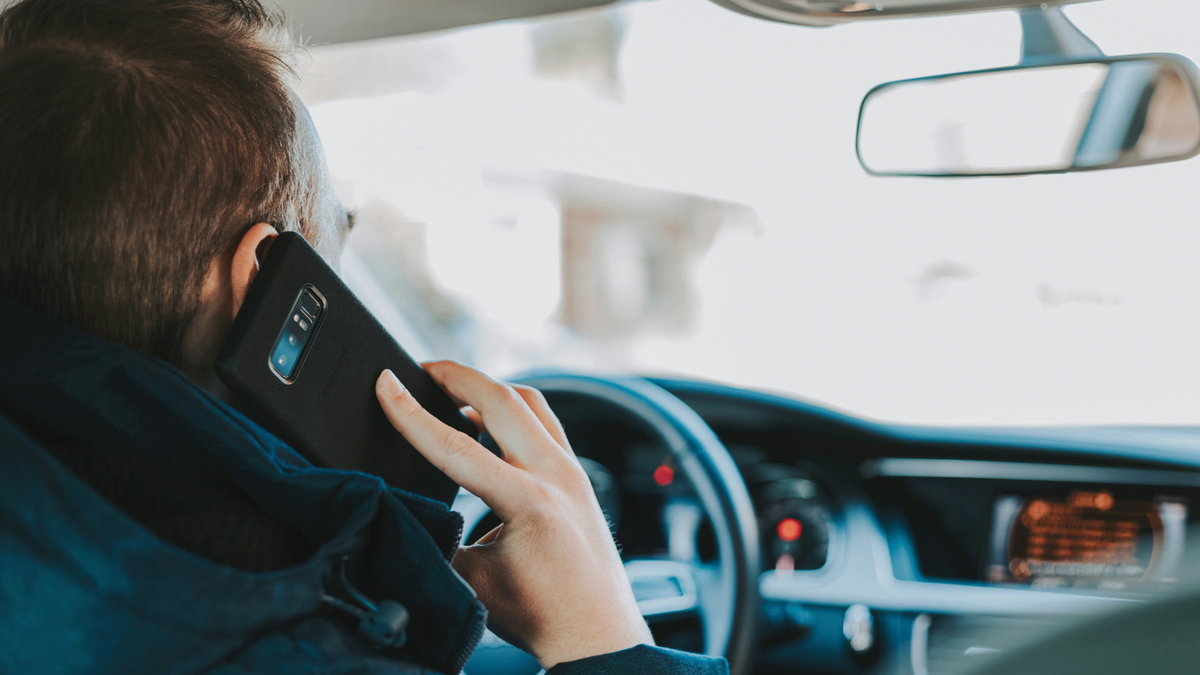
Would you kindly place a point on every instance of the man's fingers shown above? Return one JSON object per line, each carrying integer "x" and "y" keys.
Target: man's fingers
{"x": 517, "y": 430}
{"x": 465, "y": 461}
{"x": 475, "y": 418}
{"x": 537, "y": 403}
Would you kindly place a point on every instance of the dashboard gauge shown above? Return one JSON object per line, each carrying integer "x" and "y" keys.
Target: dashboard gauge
{"x": 795, "y": 526}
{"x": 1085, "y": 539}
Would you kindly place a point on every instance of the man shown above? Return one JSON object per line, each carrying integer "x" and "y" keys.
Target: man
{"x": 151, "y": 151}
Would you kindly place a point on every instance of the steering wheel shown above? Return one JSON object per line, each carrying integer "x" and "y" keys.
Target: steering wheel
{"x": 723, "y": 594}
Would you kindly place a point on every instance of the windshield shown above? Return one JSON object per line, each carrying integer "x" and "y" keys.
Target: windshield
{"x": 668, "y": 187}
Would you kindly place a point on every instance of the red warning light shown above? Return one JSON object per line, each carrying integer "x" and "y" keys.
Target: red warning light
{"x": 789, "y": 529}
{"x": 663, "y": 475}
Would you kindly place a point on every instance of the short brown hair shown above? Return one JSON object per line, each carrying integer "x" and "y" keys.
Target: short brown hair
{"x": 138, "y": 140}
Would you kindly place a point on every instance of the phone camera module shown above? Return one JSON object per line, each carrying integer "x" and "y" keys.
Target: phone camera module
{"x": 296, "y": 334}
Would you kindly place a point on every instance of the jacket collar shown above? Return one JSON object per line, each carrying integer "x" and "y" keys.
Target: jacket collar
{"x": 79, "y": 572}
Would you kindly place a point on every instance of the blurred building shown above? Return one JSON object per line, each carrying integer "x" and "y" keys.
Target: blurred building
{"x": 584, "y": 48}
{"x": 626, "y": 267}
{"x": 629, "y": 253}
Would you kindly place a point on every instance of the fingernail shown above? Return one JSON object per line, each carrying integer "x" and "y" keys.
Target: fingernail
{"x": 390, "y": 384}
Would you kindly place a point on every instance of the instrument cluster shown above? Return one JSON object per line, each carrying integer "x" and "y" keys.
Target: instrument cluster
{"x": 797, "y": 518}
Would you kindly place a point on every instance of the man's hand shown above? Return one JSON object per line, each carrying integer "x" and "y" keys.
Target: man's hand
{"x": 550, "y": 576}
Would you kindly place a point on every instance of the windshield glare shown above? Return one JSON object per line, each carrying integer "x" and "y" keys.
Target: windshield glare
{"x": 668, "y": 187}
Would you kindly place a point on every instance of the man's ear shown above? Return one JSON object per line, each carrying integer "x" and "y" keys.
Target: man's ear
{"x": 247, "y": 256}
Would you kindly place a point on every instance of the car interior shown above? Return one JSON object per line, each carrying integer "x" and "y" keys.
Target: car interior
{"x": 787, "y": 535}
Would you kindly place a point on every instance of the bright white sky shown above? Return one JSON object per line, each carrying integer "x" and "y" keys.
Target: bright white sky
{"x": 1068, "y": 299}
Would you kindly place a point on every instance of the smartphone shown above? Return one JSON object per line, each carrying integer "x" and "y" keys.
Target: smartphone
{"x": 302, "y": 359}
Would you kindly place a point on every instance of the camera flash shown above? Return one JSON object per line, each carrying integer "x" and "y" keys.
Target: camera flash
{"x": 303, "y": 324}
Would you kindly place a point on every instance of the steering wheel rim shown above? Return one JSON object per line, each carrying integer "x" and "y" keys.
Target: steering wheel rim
{"x": 721, "y": 491}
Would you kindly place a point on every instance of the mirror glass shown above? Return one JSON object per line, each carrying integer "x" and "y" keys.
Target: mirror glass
{"x": 1039, "y": 119}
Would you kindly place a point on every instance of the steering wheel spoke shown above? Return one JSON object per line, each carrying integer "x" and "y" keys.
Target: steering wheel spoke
{"x": 663, "y": 588}
{"x": 716, "y": 609}
{"x": 670, "y": 589}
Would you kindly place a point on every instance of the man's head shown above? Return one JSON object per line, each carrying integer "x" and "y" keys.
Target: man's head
{"x": 147, "y": 150}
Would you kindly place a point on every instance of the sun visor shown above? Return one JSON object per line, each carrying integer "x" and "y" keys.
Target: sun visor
{"x": 831, "y": 12}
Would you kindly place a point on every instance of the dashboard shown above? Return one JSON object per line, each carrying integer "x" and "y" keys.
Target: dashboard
{"x": 959, "y": 543}
{"x": 896, "y": 549}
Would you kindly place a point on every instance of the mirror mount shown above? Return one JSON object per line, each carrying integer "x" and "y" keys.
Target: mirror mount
{"x": 1047, "y": 36}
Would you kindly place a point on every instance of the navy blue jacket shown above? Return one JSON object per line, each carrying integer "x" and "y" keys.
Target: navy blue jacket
{"x": 87, "y": 588}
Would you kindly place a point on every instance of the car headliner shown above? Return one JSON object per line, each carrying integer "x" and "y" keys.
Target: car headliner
{"x": 318, "y": 22}
{"x": 323, "y": 22}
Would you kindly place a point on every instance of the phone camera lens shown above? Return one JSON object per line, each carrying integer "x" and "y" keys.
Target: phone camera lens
{"x": 292, "y": 340}
{"x": 309, "y": 305}
{"x": 282, "y": 360}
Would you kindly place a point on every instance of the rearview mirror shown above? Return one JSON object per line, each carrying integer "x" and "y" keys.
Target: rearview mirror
{"x": 1048, "y": 118}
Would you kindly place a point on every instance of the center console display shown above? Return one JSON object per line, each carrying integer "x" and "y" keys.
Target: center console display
{"x": 1084, "y": 539}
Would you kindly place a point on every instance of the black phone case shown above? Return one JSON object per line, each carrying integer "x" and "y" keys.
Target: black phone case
{"x": 329, "y": 412}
